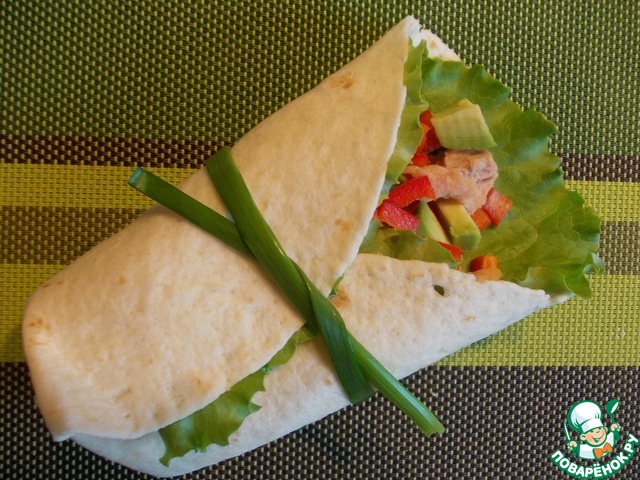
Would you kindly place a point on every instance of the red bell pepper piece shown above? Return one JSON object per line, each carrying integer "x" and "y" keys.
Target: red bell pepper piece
{"x": 396, "y": 217}
{"x": 481, "y": 218}
{"x": 496, "y": 206}
{"x": 456, "y": 252}
{"x": 483, "y": 262}
{"x": 420, "y": 160}
{"x": 425, "y": 118}
{"x": 412, "y": 190}
{"x": 423, "y": 143}
{"x": 430, "y": 139}
{"x": 412, "y": 207}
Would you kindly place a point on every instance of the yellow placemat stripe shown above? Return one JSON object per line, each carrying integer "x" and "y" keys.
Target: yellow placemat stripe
{"x": 26, "y": 185}
{"x": 603, "y": 331}
{"x": 106, "y": 187}
{"x": 613, "y": 201}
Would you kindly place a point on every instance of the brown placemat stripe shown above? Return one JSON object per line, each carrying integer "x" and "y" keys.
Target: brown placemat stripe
{"x": 102, "y": 151}
{"x": 176, "y": 153}
{"x": 601, "y": 167}
{"x": 620, "y": 247}
{"x": 58, "y": 235}
{"x": 506, "y": 429}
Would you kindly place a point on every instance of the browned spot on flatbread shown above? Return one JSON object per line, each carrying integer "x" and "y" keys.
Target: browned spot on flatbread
{"x": 342, "y": 224}
{"x": 342, "y": 80}
{"x": 35, "y": 322}
{"x": 432, "y": 44}
{"x": 201, "y": 384}
{"x": 327, "y": 380}
{"x": 39, "y": 331}
{"x": 121, "y": 280}
{"x": 340, "y": 300}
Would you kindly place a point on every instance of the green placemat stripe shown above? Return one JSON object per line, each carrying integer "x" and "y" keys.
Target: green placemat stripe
{"x": 597, "y": 332}
{"x": 539, "y": 340}
{"x": 202, "y": 71}
{"x": 613, "y": 201}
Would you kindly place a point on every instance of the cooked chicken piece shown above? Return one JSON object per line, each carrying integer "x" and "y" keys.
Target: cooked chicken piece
{"x": 487, "y": 274}
{"x": 463, "y": 175}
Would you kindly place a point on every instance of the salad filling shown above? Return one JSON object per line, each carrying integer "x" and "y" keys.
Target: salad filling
{"x": 462, "y": 175}
{"x": 448, "y": 194}
{"x": 543, "y": 235}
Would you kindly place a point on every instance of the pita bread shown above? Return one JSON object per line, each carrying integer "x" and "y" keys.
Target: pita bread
{"x": 93, "y": 332}
{"x": 161, "y": 319}
{"x": 403, "y": 336}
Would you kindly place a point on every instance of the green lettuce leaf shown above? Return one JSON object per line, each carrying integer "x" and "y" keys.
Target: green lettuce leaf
{"x": 410, "y": 131}
{"x": 218, "y": 420}
{"x": 404, "y": 246}
{"x": 549, "y": 237}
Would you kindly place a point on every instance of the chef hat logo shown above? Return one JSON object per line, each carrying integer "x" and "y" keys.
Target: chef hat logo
{"x": 585, "y": 416}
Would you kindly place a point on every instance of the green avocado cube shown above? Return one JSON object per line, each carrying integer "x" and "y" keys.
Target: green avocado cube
{"x": 429, "y": 225}
{"x": 462, "y": 126}
{"x": 457, "y": 222}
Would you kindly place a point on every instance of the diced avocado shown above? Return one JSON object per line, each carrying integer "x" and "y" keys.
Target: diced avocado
{"x": 429, "y": 225}
{"x": 457, "y": 222}
{"x": 462, "y": 127}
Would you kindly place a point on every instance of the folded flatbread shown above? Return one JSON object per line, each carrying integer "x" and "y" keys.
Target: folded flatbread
{"x": 161, "y": 319}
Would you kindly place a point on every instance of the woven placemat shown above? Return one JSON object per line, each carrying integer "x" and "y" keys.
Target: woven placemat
{"x": 91, "y": 89}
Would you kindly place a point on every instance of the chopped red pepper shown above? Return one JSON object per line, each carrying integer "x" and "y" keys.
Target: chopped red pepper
{"x": 481, "y": 218}
{"x": 430, "y": 140}
{"x": 496, "y": 206}
{"x": 396, "y": 217}
{"x": 425, "y": 118}
{"x": 423, "y": 142}
{"x": 420, "y": 160}
{"x": 483, "y": 262}
{"x": 456, "y": 252}
{"x": 412, "y": 190}
{"x": 412, "y": 207}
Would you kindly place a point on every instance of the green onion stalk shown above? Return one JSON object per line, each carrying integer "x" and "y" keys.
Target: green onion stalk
{"x": 356, "y": 368}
